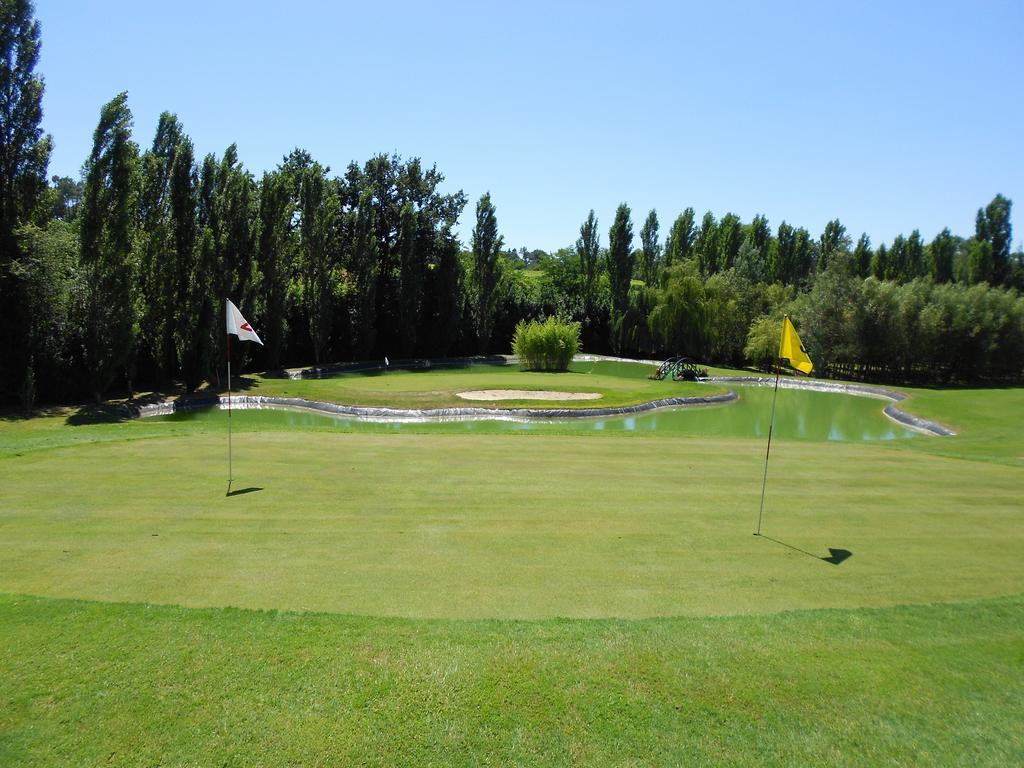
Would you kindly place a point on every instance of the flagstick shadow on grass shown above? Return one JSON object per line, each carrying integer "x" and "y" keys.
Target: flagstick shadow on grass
{"x": 836, "y": 556}
{"x": 240, "y": 491}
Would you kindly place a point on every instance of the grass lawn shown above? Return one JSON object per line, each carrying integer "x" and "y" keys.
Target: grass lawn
{"x": 473, "y": 599}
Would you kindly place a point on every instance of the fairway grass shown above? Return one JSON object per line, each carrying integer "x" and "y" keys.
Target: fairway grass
{"x": 405, "y": 598}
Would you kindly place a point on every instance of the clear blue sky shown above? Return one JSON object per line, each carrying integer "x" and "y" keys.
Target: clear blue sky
{"x": 890, "y": 115}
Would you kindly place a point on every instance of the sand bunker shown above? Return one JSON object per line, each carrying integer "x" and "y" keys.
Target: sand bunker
{"x": 526, "y": 394}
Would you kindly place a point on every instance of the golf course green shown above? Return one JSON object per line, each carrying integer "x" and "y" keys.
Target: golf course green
{"x": 507, "y": 592}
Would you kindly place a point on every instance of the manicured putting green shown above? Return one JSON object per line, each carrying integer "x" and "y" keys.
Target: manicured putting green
{"x": 521, "y": 526}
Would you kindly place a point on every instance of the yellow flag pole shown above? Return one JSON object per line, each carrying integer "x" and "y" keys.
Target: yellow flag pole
{"x": 771, "y": 426}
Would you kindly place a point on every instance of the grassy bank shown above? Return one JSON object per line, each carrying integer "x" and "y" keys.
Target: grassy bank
{"x": 102, "y": 684}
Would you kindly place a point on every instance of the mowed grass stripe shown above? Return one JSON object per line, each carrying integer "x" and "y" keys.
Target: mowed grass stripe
{"x": 531, "y": 526}
{"x": 96, "y": 683}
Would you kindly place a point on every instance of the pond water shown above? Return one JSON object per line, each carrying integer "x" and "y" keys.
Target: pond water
{"x": 799, "y": 415}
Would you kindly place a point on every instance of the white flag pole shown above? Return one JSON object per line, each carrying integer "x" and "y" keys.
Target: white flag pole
{"x": 230, "y": 473}
{"x": 237, "y": 325}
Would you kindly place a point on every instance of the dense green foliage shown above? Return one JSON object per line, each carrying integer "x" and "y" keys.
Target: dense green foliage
{"x": 546, "y": 346}
{"x": 366, "y": 264}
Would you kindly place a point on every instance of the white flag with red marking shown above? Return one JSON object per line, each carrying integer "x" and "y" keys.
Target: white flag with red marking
{"x": 239, "y": 326}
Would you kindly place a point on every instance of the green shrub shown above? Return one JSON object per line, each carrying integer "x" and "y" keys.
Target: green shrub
{"x": 547, "y": 346}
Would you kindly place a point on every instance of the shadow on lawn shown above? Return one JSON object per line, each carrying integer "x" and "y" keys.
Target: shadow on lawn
{"x": 101, "y": 413}
{"x": 240, "y": 491}
{"x": 113, "y": 413}
{"x": 836, "y": 556}
{"x": 378, "y": 368}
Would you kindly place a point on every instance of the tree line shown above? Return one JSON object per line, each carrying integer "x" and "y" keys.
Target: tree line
{"x": 116, "y": 280}
{"x": 911, "y": 311}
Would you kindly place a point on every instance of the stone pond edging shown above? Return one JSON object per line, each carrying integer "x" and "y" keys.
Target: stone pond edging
{"x": 413, "y": 414}
{"x": 862, "y": 390}
{"x": 408, "y": 414}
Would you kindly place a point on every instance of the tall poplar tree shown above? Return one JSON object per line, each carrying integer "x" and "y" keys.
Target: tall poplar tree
{"x": 897, "y": 259}
{"x": 191, "y": 287}
{"x": 679, "y": 242}
{"x": 362, "y": 263}
{"x": 443, "y": 292}
{"x": 981, "y": 264}
{"x": 410, "y": 279}
{"x": 620, "y": 259}
{"x": 862, "y": 256}
{"x": 157, "y": 274}
{"x": 917, "y": 266}
{"x": 993, "y": 226}
{"x": 24, "y": 151}
{"x": 486, "y": 270}
{"x": 760, "y": 234}
{"x": 729, "y": 239}
{"x": 274, "y": 257}
{"x": 707, "y": 255}
{"x": 941, "y": 252}
{"x": 880, "y": 266}
{"x": 588, "y": 249}
{"x": 107, "y": 231}
{"x": 833, "y": 240}
{"x": 318, "y": 257}
{"x": 650, "y": 249}
{"x": 235, "y": 211}
{"x": 781, "y": 263}
{"x": 803, "y": 254}
{"x": 24, "y": 157}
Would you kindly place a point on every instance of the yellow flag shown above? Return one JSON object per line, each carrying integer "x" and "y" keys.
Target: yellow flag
{"x": 792, "y": 350}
